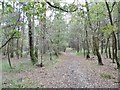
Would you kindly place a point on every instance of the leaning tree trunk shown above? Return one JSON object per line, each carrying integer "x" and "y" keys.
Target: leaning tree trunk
{"x": 114, "y": 39}
{"x": 119, "y": 30}
{"x": 119, "y": 44}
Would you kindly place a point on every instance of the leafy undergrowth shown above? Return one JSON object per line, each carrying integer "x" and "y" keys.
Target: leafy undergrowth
{"x": 21, "y": 66}
{"x": 18, "y": 83}
{"x": 16, "y": 68}
{"x": 47, "y": 62}
{"x": 70, "y": 70}
{"x": 107, "y": 76}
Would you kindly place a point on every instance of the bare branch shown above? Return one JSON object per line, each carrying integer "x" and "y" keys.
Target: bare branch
{"x": 113, "y": 6}
{"x": 8, "y": 40}
{"x": 11, "y": 35}
{"x": 60, "y": 7}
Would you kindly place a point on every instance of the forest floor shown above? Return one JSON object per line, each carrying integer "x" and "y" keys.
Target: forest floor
{"x": 70, "y": 71}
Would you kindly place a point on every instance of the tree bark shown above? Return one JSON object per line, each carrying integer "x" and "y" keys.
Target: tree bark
{"x": 102, "y": 43}
{"x": 109, "y": 49}
{"x": 96, "y": 46}
{"x": 114, "y": 39}
{"x": 8, "y": 55}
{"x": 31, "y": 41}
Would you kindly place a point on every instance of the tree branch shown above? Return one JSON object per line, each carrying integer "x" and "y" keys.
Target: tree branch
{"x": 11, "y": 35}
{"x": 8, "y": 40}
{"x": 113, "y": 6}
{"x": 60, "y": 7}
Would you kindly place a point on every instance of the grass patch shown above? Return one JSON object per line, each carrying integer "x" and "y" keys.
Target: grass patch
{"x": 19, "y": 84}
{"x": 79, "y": 53}
{"x": 47, "y": 62}
{"x": 119, "y": 53}
{"x": 107, "y": 76}
{"x": 16, "y": 67}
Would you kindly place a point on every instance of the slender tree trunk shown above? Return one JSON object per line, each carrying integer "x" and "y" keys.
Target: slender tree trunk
{"x": 78, "y": 47}
{"x": 12, "y": 48}
{"x": 114, "y": 39}
{"x": 106, "y": 47}
{"x": 96, "y": 46}
{"x": 83, "y": 45}
{"x": 50, "y": 53}
{"x": 23, "y": 36}
{"x": 31, "y": 41}
{"x": 17, "y": 51}
{"x": 119, "y": 43}
{"x": 90, "y": 26}
{"x": 102, "y": 43}
{"x": 88, "y": 51}
{"x": 36, "y": 48}
{"x": 8, "y": 55}
{"x": 118, "y": 34}
{"x": 118, "y": 39}
{"x": 109, "y": 48}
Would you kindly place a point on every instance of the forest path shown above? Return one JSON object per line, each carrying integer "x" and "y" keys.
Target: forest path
{"x": 71, "y": 71}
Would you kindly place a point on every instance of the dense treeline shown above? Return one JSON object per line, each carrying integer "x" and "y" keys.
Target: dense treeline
{"x": 39, "y": 28}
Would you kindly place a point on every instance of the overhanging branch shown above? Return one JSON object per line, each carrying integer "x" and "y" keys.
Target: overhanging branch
{"x": 57, "y": 7}
{"x": 8, "y": 40}
{"x": 12, "y": 36}
{"x": 113, "y": 6}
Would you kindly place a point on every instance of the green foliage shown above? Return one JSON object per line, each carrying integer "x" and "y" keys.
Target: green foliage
{"x": 35, "y": 9}
{"x": 49, "y": 63}
{"x": 97, "y": 12}
{"x": 79, "y": 53}
{"x": 108, "y": 29}
{"x": 16, "y": 67}
{"x": 9, "y": 8}
{"x": 17, "y": 33}
{"x": 106, "y": 76}
{"x": 19, "y": 84}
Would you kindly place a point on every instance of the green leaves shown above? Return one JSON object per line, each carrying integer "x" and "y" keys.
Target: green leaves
{"x": 109, "y": 29}
{"x": 17, "y": 33}
{"x": 9, "y": 9}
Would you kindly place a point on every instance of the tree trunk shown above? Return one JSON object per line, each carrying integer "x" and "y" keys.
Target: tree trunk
{"x": 114, "y": 39}
{"x": 109, "y": 49}
{"x": 23, "y": 36}
{"x": 8, "y": 55}
{"x": 83, "y": 45}
{"x": 106, "y": 47}
{"x": 17, "y": 51}
{"x": 12, "y": 48}
{"x": 118, "y": 39}
{"x": 96, "y": 46}
{"x": 78, "y": 47}
{"x": 50, "y": 53}
{"x": 31, "y": 41}
{"x": 102, "y": 43}
{"x": 118, "y": 34}
{"x": 36, "y": 48}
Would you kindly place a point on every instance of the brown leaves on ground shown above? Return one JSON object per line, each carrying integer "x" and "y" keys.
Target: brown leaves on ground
{"x": 72, "y": 71}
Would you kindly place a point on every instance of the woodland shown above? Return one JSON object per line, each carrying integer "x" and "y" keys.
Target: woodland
{"x": 59, "y": 44}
